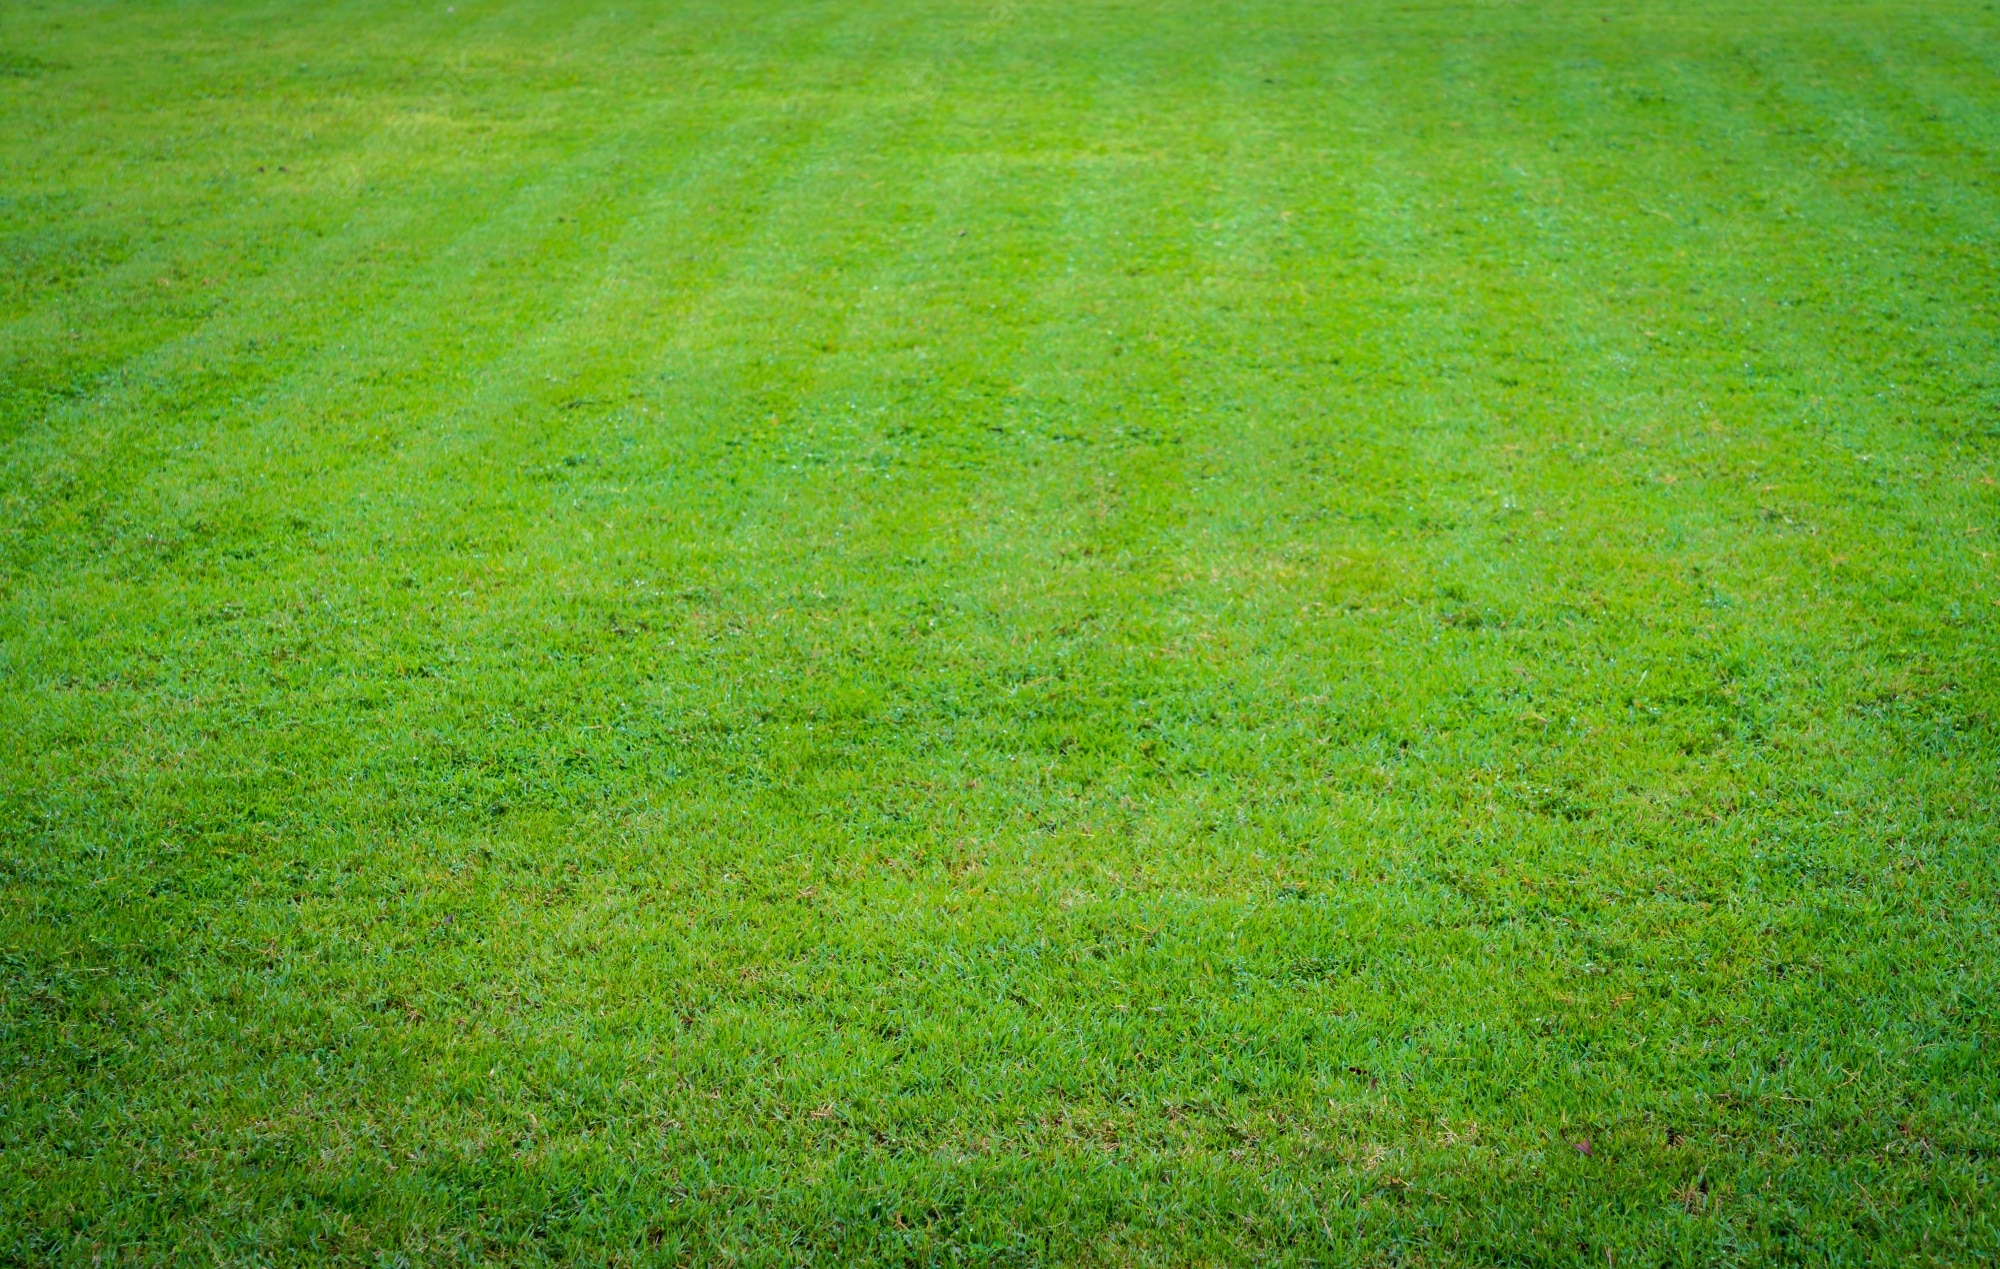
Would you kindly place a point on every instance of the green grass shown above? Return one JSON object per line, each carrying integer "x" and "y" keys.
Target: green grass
{"x": 1010, "y": 633}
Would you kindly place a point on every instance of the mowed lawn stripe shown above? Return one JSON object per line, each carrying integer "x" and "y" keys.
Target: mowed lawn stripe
{"x": 997, "y": 633}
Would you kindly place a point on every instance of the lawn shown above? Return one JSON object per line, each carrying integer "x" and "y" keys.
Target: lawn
{"x": 1000, "y": 632}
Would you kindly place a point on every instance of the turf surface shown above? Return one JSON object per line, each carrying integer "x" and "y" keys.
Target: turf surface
{"x": 1010, "y": 633}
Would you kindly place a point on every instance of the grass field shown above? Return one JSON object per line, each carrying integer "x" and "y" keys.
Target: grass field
{"x": 1002, "y": 632}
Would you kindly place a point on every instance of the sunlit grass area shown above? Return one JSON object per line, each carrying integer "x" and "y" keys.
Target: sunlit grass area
{"x": 999, "y": 633}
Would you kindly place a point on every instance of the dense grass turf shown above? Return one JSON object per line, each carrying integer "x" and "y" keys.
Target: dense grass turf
{"x": 1013, "y": 633}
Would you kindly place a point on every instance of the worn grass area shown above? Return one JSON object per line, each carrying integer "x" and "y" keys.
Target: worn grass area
{"x": 1019, "y": 633}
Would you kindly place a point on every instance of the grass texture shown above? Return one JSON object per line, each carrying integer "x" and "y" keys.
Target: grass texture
{"x": 999, "y": 632}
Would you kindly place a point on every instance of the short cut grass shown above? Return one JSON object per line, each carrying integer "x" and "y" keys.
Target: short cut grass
{"x": 999, "y": 632}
